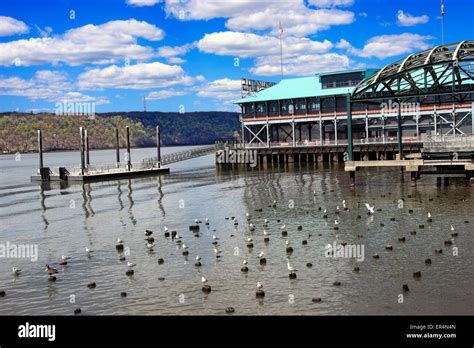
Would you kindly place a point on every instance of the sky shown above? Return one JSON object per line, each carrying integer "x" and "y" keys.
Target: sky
{"x": 189, "y": 55}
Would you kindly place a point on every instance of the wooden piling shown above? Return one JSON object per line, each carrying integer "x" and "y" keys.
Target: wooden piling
{"x": 129, "y": 159}
{"x": 40, "y": 149}
{"x": 117, "y": 148}
{"x": 158, "y": 146}
{"x": 87, "y": 148}
{"x": 81, "y": 131}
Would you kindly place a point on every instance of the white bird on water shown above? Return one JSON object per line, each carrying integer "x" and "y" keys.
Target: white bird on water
{"x": 203, "y": 280}
{"x": 283, "y": 227}
{"x": 314, "y": 193}
{"x": 249, "y": 240}
{"x": 344, "y": 203}
{"x": 207, "y": 220}
{"x": 266, "y": 233}
{"x": 261, "y": 255}
{"x": 291, "y": 268}
{"x": 150, "y": 245}
{"x": 336, "y": 222}
{"x": 119, "y": 241}
{"x": 185, "y": 247}
{"x": 215, "y": 237}
{"x": 131, "y": 265}
{"x": 429, "y": 215}
{"x": 64, "y": 257}
{"x": 244, "y": 262}
{"x": 198, "y": 258}
{"x": 89, "y": 250}
{"x": 259, "y": 285}
{"x": 325, "y": 211}
{"x": 371, "y": 209}
{"x": 16, "y": 271}
{"x": 266, "y": 221}
{"x": 452, "y": 228}
{"x": 165, "y": 229}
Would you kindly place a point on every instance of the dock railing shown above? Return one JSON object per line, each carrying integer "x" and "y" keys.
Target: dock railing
{"x": 448, "y": 143}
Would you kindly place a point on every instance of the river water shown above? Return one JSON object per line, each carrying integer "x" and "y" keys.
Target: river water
{"x": 63, "y": 220}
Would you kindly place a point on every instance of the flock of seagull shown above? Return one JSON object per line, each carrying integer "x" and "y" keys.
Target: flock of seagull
{"x": 251, "y": 226}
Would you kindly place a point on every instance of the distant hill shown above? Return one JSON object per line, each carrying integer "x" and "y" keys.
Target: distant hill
{"x": 191, "y": 128}
{"x": 18, "y": 131}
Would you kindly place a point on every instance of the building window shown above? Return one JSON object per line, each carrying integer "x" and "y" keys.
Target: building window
{"x": 342, "y": 80}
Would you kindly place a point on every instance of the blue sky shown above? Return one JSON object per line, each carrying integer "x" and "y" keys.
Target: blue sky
{"x": 191, "y": 54}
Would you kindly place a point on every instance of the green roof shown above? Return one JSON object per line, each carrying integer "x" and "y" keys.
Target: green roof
{"x": 302, "y": 87}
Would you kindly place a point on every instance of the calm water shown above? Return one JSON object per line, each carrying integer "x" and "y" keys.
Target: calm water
{"x": 64, "y": 220}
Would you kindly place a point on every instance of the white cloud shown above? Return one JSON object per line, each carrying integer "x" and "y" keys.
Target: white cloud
{"x": 141, "y": 3}
{"x": 331, "y": 3}
{"x": 11, "y": 26}
{"x": 171, "y": 53}
{"x": 302, "y": 65}
{"x": 407, "y": 20}
{"x": 99, "y": 44}
{"x": 138, "y": 76}
{"x": 47, "y": 85}
{"x": 165, "y": 94}
{"x": 225, "y": 90}
{"x": 388, "y": 45}
{"x": 245, "y": 45}
{"x": 247, "y": 15}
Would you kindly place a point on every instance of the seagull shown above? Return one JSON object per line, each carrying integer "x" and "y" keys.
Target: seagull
{"x": 291, "y": 268}
{"x": 185, "y": 247}
{"x": 314, "y": 193}
{"x": 207, "y": 221}
{"x": 203, "y": 280}
{"x": 266, "y": 221}
{"x": 64, "y": 258}
{"x": 337, "y": 208}
{"x": 150, "y": 245}
{"x": 119, "y": 241}
{"x": 371, "y": 209}
{"x": 325, "y": 211}
{"x": 336, "y": 222}
{"x": 452, "y": 228}
{"x": 217, "y": 252}
{"x": 247, "y": 215}
{"x": 249, "y": 240}
{"x": 196, "y": 221}
{"x": 244, "y": 262}
{"x": 429, "y": 215}
{"x": 215, "y": 238}
{"x": 251, "y": 227}
{"x": 344, "y": 203}
{"x": 198, "y": 258}
{"x": 261, "y": 255}
{"x": 259, "y": 285}
{"x": 16, "y": 271}
{"x": 265, "y": 233}
{"x": 131, "y": 265}
{"x": 283, "y": 227}
{"x": 165, "y": 229}
{"x": 89, "y": 251}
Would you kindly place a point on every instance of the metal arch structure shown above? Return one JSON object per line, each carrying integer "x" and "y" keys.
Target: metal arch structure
{"x": 439, "y": 76}
{"x": 443, "y": 74}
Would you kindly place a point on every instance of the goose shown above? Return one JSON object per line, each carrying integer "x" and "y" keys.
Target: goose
{"x": 50, "y": 270}
{"x": 371, "y": 209}
{"x": 148, "y": 233}
{"x": 16, "y": 271}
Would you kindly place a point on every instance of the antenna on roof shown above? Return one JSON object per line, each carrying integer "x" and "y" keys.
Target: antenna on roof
{"x": 442, "y": 22}
{"x": 281, "y": 51}
{"x": 144, "y": 104}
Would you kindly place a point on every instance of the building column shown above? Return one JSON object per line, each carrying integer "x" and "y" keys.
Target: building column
{"x": 349, "y": 129}
{"x": 335, "y": 130}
